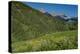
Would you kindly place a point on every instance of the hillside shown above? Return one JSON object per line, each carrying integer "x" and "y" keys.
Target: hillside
{"x": 29, "y": 23}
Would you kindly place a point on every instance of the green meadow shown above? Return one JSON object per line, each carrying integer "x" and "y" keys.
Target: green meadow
{"x": 53, "y": 41}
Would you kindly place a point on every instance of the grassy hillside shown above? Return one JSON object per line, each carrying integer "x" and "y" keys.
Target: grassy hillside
{"x": 32, "y": 30}
{"x": 29, "y": 23}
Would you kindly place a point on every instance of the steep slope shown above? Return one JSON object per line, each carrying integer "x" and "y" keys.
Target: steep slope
{"x": 28, "y": 23}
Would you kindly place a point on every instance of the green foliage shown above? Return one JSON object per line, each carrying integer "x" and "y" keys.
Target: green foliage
{"x": 32, "y": 30}
{"x": 54, "y": 41}
{"x": 73, "y": 25}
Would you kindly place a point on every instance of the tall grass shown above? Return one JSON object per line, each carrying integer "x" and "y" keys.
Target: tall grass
{"x": 54, "y": 41}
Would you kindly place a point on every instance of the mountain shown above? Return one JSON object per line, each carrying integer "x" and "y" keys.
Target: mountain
{"x": 48, "y": 14}
{"x": 72, "y": 23}
{"x": 63, "y": 17}
{"x": 72, "y": 19}
{"x": 31, "y": 23}
{"x": 59, "y": 16}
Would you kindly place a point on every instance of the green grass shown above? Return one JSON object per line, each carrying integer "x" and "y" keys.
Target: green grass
{"x": 53, "y": 41}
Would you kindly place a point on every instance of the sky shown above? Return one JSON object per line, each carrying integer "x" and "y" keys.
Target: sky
{"x": 68, "y": 10}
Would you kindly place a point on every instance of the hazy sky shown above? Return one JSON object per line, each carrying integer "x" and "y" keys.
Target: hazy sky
{"x": 69, "y": 10}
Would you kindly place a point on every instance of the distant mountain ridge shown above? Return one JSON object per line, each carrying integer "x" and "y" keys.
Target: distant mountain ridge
{"x": 63, "y": 17}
